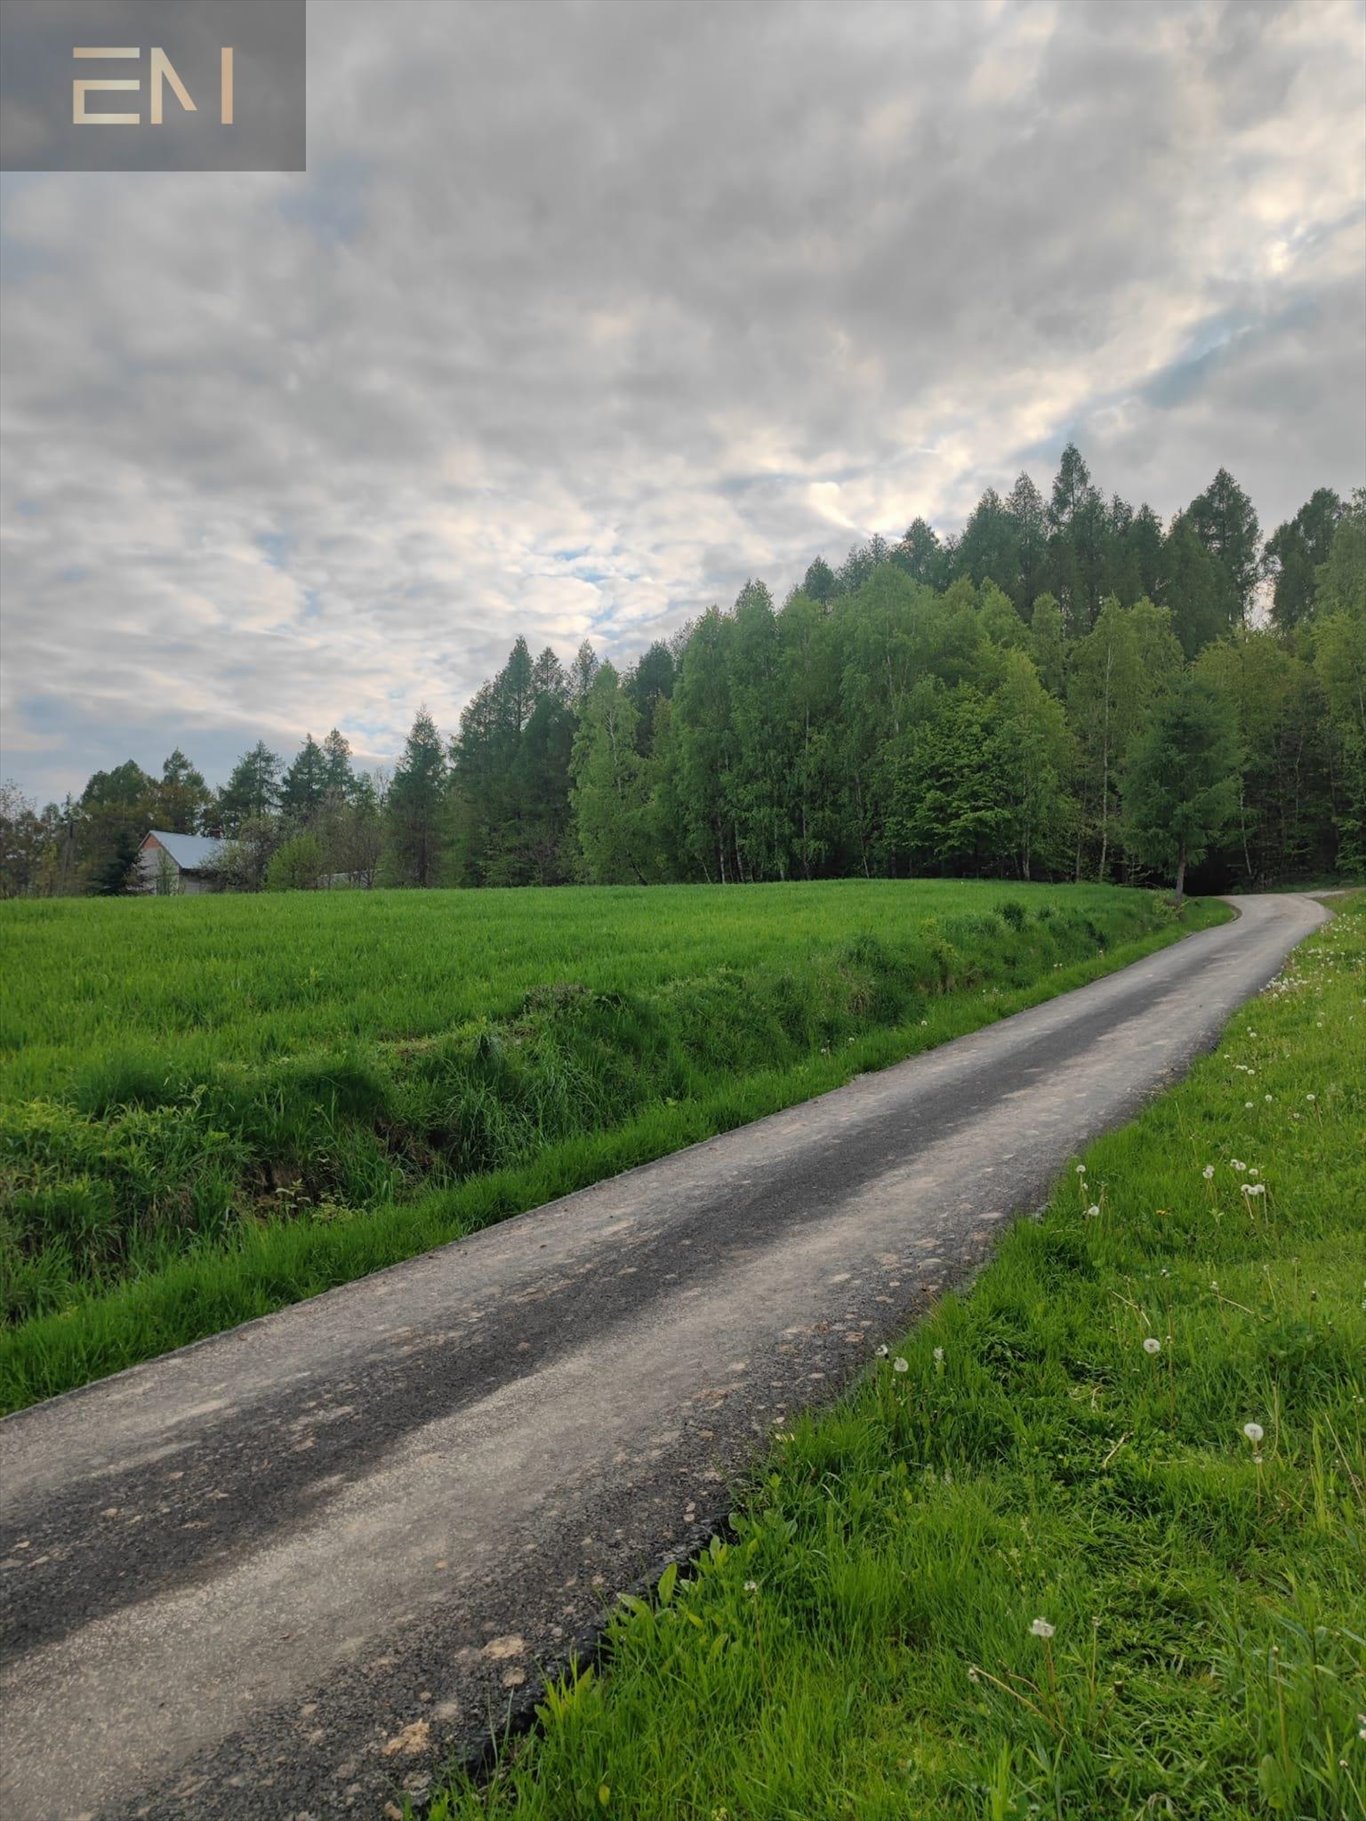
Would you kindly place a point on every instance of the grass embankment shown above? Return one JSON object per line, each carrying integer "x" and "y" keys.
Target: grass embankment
{"x": 1048, "y": 1569}
{"x": 213, "y": 1107}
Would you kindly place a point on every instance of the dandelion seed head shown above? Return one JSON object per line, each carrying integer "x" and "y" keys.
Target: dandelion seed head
{"x": 1042, "y": 1629}
{"x": 1093, "y": 1211}
{"x": 1208, "y": 1172}
{"x": 751, "y": 1587}
{"x": 1152, "y": 1345}
{"x": 1253, "y": 1431}
{"x": 939, "y": 1356}
{"x": 901, "y": 1365}
{"x": 882, "y": 1352}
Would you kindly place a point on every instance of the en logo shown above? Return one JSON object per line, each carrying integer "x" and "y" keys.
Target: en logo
{"x": 162, "y": 72}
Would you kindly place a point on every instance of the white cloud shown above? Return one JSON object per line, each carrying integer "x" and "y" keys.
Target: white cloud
{"x": 584, "y": 315}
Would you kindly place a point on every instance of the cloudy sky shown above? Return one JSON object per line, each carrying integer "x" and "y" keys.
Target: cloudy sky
{"x": 584, "y": 313}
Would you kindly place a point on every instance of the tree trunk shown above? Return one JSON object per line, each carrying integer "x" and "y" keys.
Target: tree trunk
{"x": 1181, "y": 879}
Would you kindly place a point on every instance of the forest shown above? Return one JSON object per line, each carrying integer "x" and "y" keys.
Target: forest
{"x": 1066, "y": 689}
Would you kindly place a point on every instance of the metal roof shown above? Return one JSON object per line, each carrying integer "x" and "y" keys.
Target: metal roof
{"x": 191, "y": 853}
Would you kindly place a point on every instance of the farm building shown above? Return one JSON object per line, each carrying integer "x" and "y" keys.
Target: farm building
{"x": 171, "y": 864}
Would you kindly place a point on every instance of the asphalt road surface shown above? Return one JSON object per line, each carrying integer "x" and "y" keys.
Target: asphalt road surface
{"x": 283, "y": 1572}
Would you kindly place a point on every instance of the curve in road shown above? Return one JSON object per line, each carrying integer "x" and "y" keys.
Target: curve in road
{"x": 283, "y": 1571}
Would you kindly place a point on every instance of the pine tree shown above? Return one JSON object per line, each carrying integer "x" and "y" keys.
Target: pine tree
{"x": 1225, "y": 523}
{"x": 415, "y": 810}
{"x": 252, "y": 790}
{"x": 339, "y": 780}
{"x": 182, "y": 798}
{"x": 305, "y": 784}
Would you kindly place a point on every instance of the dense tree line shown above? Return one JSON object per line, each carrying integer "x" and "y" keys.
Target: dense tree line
{"x": 1067, "y": 689}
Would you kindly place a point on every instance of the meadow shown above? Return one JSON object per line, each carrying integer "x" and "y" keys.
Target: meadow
{"x": 210, "y": 1107}
{"x": 1090, "y": 1542}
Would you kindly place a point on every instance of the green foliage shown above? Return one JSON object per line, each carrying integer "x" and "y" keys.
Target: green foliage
{"x": 252, "y": 792}
{"x": 1294, "y": 553}
{"x": 1223, "y": 519}
{"x": 181, "y": 800}
{"x": 1339, "y": 645}
{"x": 305, "y": 783}
{"x": 244, "y": 859}
{"x": 1285, "y": 818}
{"x": 296, "y": 866}
{"x": 866, "y": 1640}
{"x": 266, "y": 1096}
{"x": 1182, "y": 786}
{"x": 114, "y": 808}
{"x": 416, "y": 804}
{"x": 783, "y": 743}
{"x": 610, "y": 794}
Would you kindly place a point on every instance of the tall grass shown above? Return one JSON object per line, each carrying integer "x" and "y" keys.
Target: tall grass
{"x": 1099, "y": 1550}
{"x": 209, "y": 1107}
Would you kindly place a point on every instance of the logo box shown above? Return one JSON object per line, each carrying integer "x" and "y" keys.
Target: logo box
{"x": 153, "y": 85}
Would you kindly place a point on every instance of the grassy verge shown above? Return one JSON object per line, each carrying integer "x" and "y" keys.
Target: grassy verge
{"x": 1097, "y": 1550}
{"x": 146, "y": 1207}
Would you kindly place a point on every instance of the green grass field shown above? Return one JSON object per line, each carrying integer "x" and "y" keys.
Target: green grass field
{"x": 1098, "y": 1552}
{"x": 210, "y": 1107}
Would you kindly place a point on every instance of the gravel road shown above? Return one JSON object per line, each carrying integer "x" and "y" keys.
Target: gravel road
{"x": 281, "y": 1573}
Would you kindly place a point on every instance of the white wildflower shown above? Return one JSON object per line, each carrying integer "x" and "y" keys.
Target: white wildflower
{"x": 1042, "y": 1629}
{"x": 751, "y": 1587}
{"x": 939, "y": 1356}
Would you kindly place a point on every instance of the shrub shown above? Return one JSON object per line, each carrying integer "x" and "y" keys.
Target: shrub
{"x": 297, "y": 866}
